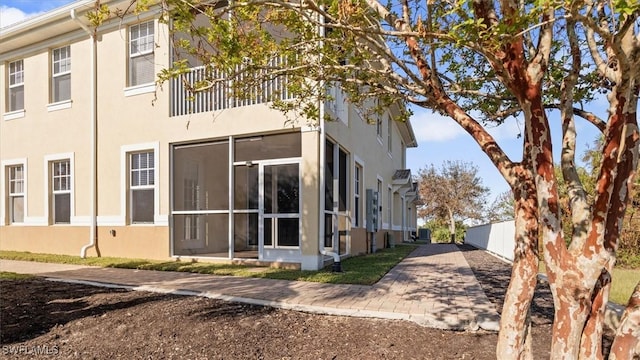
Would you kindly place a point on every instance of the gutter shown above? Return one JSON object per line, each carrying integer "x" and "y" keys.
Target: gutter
{"x": 337, "y": 266}
{"x": 94, "y": 140}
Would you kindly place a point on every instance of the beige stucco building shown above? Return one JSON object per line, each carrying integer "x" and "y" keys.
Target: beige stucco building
{"x": 97, "y": 160}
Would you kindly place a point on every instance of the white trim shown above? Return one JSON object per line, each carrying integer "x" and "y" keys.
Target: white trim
{"x": 396, "y": 227}
{"x": 161, "y": 220}
{"x": 309, "y": 128}
{"x": 81, "y": 220}
{"x": 71, "y": 37}
{"x": 48, "y": 159}
{"x": 140, "y": 89}
{"x": 35, "y": 221}
{"x": 357, "y": 159}
{"x": 55, "y": 75}
{"x": 4, "y": 189}
{"x": 64, "y": 104}
{"x": 124, "y": 172}
{"x": 12, "y": 115}
{"x": 110, "y": 220}
{"x": 389, "y": 205}
{"x": 357, "y": 221}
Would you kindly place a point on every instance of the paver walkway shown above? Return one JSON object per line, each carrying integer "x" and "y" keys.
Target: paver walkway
{"x": 434, "y": 286}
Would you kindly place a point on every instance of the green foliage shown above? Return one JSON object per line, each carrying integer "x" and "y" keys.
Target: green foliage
{"x": 440, "y": 231}
{"x": 628, "y": 258}
{"x": 98, "y": 16}
{"x": 453, "y": 193}
{"x": 502, "y": 208}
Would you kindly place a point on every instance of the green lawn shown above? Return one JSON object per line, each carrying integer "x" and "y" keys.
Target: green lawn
{"x": 622, "y": 284}
{"x": 364, "y": 270}
{"x": 5, "y": 275}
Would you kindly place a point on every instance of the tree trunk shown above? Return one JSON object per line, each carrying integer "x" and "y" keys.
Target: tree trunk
{"x": 626, "y": 344}
{"x": 452, "y": 226}
{"x": 514, "y": 339}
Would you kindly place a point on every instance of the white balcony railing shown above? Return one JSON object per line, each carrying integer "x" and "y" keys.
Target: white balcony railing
{"x": 219, "y": 96}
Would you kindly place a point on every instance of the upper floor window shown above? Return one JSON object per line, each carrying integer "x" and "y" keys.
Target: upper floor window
{"x": 142, "y": 187}
{"x": 141, "y": 59}
{"x": 61, "y": 74}
{"x": 389, "y": 135}
{"x": 61, "y": 191}
{"x": 16, "y": 85}
{"x": 379, "y": 126}
{"x": 16, "y": 193}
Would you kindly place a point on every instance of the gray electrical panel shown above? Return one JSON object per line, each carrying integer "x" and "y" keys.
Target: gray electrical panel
{"x": 372, "y": 210}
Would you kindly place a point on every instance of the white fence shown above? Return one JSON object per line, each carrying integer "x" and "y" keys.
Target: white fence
{"x": 497, "y": 238}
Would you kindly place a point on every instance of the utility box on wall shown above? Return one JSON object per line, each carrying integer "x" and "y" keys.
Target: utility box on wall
{"x": 372, "y": 210}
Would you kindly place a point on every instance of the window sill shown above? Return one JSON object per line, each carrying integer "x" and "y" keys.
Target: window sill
{"x": 139, "y": 89}
{"x": 379, "y": 140}
{"x": 60, "y": 105}
{"x": 13, "y": 115}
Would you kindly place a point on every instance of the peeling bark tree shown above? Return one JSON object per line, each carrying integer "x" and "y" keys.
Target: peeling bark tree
{"x": 477, "y": 62}
{"x": 453, "y": 193}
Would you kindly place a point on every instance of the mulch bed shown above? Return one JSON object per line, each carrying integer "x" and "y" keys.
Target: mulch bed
{"x": 42, "y": 319}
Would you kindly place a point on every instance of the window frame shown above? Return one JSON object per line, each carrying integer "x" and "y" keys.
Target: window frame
{"x": 357, "y": 194}
{"x": 13, "y": 84}
{"x": 389, "y": 135}
{"x": 379, "y": 188}
{"x": 67, "y": 176}
{"x": 59, "y": 74}
{"x": 390, "y": 206}
{"x": 125, "y": 176}
{"x": 5, "y": 203}
{"x": 149, "y": 184}
{"x": 149, "y": 49}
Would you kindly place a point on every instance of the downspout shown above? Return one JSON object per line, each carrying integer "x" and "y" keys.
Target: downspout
{"x": 337, "y": 266}
{"x": 94, "y": 121}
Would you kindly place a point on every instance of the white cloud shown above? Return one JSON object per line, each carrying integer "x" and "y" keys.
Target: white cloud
{"x": 433, "y": 127}
{"x": 10, "y": 15}
{"x": 509, "y": 130}
{"x": 429, "y": 126}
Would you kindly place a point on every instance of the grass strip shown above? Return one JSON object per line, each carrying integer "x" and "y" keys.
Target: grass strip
{"x": 362, "y": 270}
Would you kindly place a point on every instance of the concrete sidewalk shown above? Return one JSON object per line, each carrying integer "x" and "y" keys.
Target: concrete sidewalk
{"x": 434, "y": 286}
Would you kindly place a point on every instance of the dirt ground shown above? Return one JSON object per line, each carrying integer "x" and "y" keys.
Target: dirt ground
{"x": 43, "y": 319}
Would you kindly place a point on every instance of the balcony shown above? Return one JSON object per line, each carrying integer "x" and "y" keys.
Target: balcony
{"x": 219, "y": 95}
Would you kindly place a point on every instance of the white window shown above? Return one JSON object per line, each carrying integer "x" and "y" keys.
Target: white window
{"x": 141, "y": 59}
{"x": 379, "y": 204}
{"x": 389, "y": 135}
{"x": 389, "y": 206}
{"x": 142, "y": 187}
{"x": 16, "y": 85}
{"x": 61, "y": 191}
{"x": 61, "y": 74}
{"x": 16, "y": 193}
{"x": 379, "y": 127}
{"x": 357, "y": 190}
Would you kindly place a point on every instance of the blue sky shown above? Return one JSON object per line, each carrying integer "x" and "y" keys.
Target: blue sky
{"x": 439, "y": 138}
{"x": 16, "y": 10}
